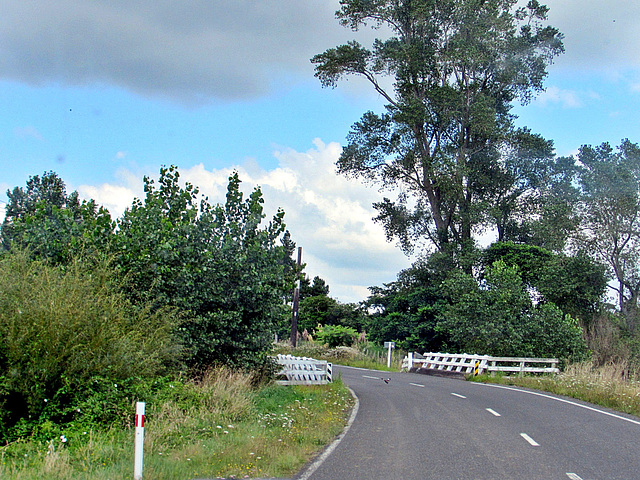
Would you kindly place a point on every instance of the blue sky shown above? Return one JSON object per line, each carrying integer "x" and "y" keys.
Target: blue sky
{"x": 104, "y": 92}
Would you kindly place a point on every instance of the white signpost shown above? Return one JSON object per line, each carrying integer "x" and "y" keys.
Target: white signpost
{"x": 390, "y": 346}
{"x": 139, "y": 442}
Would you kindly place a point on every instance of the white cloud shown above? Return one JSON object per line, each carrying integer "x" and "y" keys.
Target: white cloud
{"x": 327, "y": 214}
{"x": 115, "y": 197}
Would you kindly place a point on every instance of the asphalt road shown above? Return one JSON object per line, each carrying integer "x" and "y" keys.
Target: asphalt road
{"x": 418, "y": 427}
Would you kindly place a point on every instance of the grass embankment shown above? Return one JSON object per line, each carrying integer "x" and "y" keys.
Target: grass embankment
{"x": 221, "y": 426}
{"x": 605, "y": 386}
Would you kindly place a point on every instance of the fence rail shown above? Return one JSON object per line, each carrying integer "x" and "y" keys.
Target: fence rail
{"x": 303, "y": 371}
{"x": 478, "y": 364}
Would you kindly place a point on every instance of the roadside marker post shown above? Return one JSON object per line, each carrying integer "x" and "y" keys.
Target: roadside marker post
{"x": 139, "y": 441}
{"x": 390, "y": 346}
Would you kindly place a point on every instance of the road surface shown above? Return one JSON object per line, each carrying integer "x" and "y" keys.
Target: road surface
{"x": 418, "y": 427}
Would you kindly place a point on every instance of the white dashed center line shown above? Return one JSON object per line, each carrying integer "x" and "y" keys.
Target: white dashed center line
{"x": 493, "y": 412}
{"x": 458, "y": 395}
{"x": 367, "y": 376}
{"x": 417, "y": 385}
{"x": 574, "y": 476}
{"x": 531, "y": 441}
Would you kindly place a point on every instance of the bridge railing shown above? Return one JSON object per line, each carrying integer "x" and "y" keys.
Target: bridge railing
{"x": 479, "y": 364}
{"x": 303, "y": 371}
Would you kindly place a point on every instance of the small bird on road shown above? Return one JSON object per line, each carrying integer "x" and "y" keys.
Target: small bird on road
{"x": 385, "y": 380}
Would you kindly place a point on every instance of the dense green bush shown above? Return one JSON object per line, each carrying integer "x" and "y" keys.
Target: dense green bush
{"x": 64, "y": 328}
{"x": 499, "y": 317}
{"x": 218, "y": 264}
{"x": 336, "y": 335}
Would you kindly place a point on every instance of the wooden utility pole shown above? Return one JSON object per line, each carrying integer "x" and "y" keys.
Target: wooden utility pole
{"x": 296, "y": 301}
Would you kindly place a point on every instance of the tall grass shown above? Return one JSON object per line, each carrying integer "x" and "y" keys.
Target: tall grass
{"x": 218, "y": 426}
{"x": 607, "y": 385}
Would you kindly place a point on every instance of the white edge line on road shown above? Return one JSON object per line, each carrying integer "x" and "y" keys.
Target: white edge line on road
{"x": 493, "y": 412}
{"x": 369, "y": 376}
{"x": 417, "y": 385}
{"x": 458, "y": 395}
{"x": 619, "y": 417}
{"x": 323, "y": 456}
{"x": 531, "y": 441}
{"x": 574, "y": 476}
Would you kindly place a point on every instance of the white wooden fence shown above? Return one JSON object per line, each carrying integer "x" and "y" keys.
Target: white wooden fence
{"x": 465, "y": 363}
{"x": 304, "y": 371}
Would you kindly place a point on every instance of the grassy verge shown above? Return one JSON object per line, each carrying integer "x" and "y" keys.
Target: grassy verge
{"x": 221, "y": 426}
{"x": 605, "y": 386}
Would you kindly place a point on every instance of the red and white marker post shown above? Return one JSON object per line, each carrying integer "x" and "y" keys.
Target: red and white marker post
{"x": 139, "y": 443}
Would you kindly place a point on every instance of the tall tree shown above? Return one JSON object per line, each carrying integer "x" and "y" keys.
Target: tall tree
{"x": 457, "y": 65}
{"x": 52, "y": 224}
{"x": 218, "y": 264}
{"x": 610, "y": 183}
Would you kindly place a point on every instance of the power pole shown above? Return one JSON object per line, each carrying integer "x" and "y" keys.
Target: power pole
{"x": 296, "y": 301}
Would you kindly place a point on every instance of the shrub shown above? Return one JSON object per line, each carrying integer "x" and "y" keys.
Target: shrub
{"x": 63, "y": 327}
{"x": 336, "y": 335}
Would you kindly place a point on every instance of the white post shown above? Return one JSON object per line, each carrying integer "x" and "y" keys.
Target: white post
{"x": 139, "y": 443}
{"x": 390, "y": 346}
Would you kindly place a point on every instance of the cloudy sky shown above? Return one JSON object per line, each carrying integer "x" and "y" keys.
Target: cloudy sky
{"x": 106, "y": 91}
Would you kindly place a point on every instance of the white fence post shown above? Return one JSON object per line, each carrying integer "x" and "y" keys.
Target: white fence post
{"x": 304, "y": 371}
{"x": 139, "y": 442}
{"x": 467, "y": 363}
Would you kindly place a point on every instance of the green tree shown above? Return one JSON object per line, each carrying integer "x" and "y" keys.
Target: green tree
{"x": 610, "y": 184}
{"x": 456, "y": 66}
{"x": 575, "y": 284}
{"x": 405, "y": 311}
{"x": 319, "y": 287}
{"x": 53, "y": 225}
{"x": 324, "y": 310}
{"x": 499, "y": 318}
{"x": 535, "y": 196}
{"x": 217, "y": 264}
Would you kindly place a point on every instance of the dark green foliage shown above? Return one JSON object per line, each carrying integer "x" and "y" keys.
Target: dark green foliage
{"x": 55, "y": 226}
{"x": 324, "y": 310}
{"x": 224, "y": 271}
{"x": 405, "y": 311}
{"x": 63, "y": 327}
{"x": 499, "y": 318}
{"x": 318, "y": 288}
{"x": 576, "y": 284}
{"x": 436, "y": 308}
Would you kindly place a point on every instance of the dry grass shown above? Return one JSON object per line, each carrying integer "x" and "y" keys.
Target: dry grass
{"x": 218, "y": 426}
{"x": 608, "y": 385}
